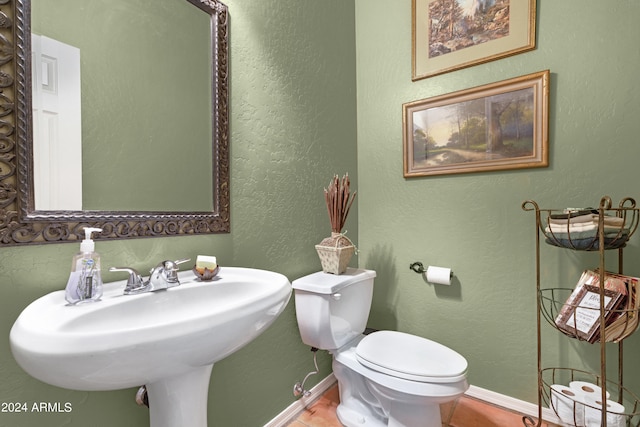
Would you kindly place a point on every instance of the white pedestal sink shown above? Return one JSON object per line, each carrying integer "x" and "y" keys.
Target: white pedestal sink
{"x": 167, "y": 340}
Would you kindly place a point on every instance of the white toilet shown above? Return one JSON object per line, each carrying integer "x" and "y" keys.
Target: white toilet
{"x": 386, "y": 378}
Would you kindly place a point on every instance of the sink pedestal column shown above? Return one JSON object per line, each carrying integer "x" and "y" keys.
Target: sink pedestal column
{"x": 180, "y": 400}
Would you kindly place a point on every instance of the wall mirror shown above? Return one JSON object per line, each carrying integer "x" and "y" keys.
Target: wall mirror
{"x": 152, "y": 139}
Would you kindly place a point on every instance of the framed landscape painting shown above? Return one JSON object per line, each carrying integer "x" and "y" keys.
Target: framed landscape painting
{"x": 498, "y": 126}
{"x": 452, "y": 34}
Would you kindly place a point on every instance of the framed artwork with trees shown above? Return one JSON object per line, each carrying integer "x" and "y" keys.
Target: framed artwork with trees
{"x": 498, "y": 126}
{"x": 448, "y": 35}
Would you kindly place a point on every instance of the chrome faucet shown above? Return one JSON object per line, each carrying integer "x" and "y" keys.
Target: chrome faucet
{"x": 162, "y": 276}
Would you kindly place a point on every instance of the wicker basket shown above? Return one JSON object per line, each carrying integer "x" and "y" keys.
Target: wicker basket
{"x": 335, "y": 252}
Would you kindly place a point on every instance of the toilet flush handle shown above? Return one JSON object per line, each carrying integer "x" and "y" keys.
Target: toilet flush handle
{"x": 336, "y": 296}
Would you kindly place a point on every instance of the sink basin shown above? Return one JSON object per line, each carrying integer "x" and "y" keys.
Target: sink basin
{"x": 167, "y": 340}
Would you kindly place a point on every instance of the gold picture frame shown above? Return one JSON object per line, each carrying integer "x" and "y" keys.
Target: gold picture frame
{"x": 448, "y": 35}
{"x": 498, "y": 126}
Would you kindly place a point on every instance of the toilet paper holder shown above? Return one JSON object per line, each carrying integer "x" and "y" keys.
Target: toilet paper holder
{"x": 418, "y": 267}
{"x": 434, "y": 275}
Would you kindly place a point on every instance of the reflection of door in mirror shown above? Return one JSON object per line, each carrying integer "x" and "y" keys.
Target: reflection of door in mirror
{"x": 147, "y": 101}
{"x": 57, "y": 126}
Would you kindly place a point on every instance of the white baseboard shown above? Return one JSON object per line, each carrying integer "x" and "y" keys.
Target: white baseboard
{"x": 511, "y": 403}
{"x": 292, "y": 411}
{"x": 507, "y": 402}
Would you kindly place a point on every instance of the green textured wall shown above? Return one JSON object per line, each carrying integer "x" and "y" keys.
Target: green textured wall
{"x": 474, "y": 223}
{"x": 293, "y": 125}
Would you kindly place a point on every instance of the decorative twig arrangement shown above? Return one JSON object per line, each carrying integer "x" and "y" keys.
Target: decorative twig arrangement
{"x": 339, "y": 202}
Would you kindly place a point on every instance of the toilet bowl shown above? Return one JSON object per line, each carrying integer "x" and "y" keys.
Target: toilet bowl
{"x": 385, "y": 378}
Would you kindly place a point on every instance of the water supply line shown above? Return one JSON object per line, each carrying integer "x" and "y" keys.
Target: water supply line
{"x": 142, "y": 399}
{"x": 298, "y": 388}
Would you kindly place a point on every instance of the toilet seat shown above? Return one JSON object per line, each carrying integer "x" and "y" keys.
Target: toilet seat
{"x": 410, "y": 357}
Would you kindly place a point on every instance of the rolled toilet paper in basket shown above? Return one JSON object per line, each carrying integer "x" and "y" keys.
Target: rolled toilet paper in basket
{"x": 567, "y": 405}
{"x": 593, "y": 413}
{"x": 584, "y": 388}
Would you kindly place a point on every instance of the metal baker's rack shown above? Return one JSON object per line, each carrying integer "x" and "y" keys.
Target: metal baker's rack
{"x": 554, "y": 302}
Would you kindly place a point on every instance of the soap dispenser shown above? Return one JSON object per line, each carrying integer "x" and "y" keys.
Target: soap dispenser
{"x": 85, "y": 281}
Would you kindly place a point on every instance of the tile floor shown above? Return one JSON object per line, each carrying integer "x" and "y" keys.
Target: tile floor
{"x": 465, "y": 412}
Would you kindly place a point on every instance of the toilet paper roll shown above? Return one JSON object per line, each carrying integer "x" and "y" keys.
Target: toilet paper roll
{"x": 593, "y": 413}
{"x": 439, "y": 275}
{"x": 567, "y": 405}
{"x": 585, "y": 389}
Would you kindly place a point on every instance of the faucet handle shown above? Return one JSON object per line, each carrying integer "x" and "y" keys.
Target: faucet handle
{"x": 171, "y": 269}
{"x": 135, "y": 283}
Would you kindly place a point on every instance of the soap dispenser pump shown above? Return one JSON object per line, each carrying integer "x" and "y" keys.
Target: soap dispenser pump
{"x": 85, "y": 281}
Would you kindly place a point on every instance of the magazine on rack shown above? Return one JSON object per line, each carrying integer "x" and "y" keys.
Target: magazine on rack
{"x": 626, "y": 321}
{"x": 580, "y": 314}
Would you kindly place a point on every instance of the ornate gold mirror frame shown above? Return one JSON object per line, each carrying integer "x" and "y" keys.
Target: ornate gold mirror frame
{"x": 20, "y": 222}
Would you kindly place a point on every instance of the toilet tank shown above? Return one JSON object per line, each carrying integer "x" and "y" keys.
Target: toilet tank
{"x": 333, "y": 309}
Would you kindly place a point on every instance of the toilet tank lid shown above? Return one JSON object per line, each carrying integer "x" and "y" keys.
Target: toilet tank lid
{"x": 327, "y": 283}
